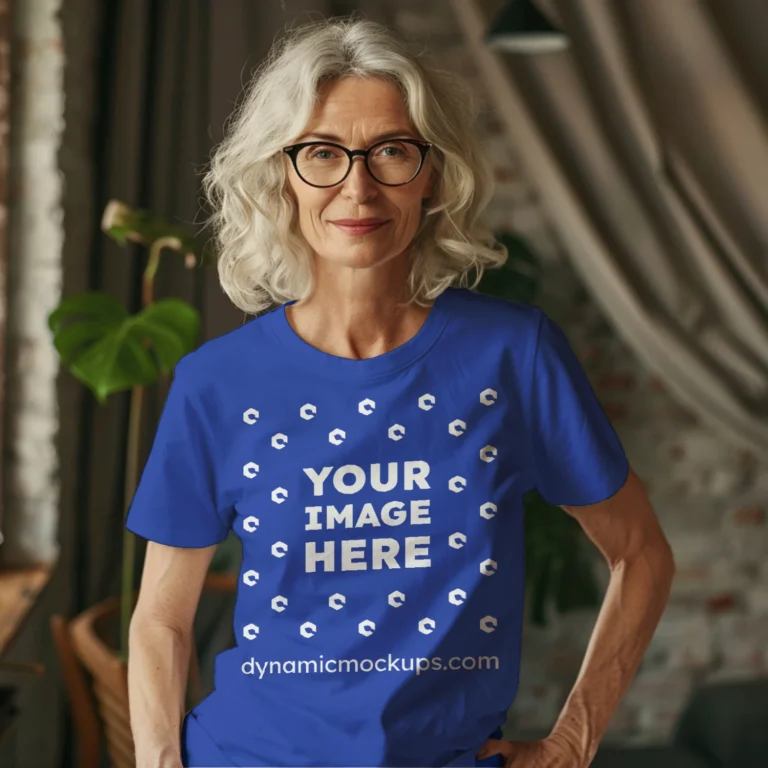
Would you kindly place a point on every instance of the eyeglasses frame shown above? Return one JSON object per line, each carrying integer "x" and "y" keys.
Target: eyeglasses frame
{"x": 293, "y": 150}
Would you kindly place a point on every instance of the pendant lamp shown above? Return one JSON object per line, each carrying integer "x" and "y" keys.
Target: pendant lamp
{"x": 521, "y": 28}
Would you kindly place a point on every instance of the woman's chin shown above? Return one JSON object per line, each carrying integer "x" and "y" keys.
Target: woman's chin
{"x": 358, "y": 260}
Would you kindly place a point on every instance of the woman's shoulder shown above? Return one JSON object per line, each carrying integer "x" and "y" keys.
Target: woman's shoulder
{"x": 490, "y": 311}
{"x": 225, "y": 357}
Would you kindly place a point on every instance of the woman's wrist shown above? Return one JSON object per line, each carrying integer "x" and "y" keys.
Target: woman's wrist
{"x": 162, "y": 757}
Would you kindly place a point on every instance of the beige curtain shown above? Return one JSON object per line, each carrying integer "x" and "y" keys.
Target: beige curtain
{"x": 648, "y": 141}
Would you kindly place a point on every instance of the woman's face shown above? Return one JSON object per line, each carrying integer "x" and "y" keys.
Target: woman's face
{"x": 356, "y": 112}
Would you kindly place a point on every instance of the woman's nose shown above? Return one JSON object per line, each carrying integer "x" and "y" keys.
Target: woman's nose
{"x": 359, "y": 183}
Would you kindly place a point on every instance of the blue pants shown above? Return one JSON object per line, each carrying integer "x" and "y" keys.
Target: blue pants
{"x": 199, "y": 751}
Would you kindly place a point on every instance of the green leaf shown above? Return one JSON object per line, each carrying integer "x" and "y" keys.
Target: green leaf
{"x": 176, "y": 314}
{"x": 115, "y": 363}
{"x": 119, "y": 234}
{"x": 125, "y": 224}
{"x": 518, "y": 278}
{"x": 70, "y": 339}
{"x": 109, "y": 350}
{"x": 93, "y": 305}
{"x": 173, "y": 326}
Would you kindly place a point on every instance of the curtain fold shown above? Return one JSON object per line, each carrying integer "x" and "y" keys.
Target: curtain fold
{"x": 647, "y": 140}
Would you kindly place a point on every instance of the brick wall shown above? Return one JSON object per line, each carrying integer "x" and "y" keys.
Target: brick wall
{"x": 34, "y": 275}
{"x": 709, "y": 495}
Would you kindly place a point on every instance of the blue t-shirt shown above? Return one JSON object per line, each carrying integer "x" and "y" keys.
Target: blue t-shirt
{"x": 379, "y": 504}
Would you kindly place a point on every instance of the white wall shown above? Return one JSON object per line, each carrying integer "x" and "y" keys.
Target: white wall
{"x": 30, "y": 515}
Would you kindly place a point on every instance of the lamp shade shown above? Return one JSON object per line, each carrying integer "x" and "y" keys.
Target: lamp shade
{"x": 520, "y": 28}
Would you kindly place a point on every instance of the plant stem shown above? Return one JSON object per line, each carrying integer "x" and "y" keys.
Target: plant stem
{"x": 121, "y": 222}
{"x": 132, "y": 451}
{"x": 148, "y": 281}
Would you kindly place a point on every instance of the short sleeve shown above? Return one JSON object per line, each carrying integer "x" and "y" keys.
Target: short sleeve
{"x": 175, "y": 501}
{"x": 576, "y": 456}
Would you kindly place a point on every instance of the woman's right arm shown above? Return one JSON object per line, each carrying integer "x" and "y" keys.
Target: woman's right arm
{"x": 159, "y": 646}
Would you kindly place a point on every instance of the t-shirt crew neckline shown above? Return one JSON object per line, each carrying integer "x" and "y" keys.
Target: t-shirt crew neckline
{"x": 348, "y": 369}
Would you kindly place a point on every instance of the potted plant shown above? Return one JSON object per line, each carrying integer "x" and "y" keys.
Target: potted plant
{"x": 110, "y": 351}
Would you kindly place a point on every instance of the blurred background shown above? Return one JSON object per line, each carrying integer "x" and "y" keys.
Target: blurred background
{"x": 630, "y": 145}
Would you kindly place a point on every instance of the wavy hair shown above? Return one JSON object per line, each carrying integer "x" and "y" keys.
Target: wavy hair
{"x": 262, "y": 257}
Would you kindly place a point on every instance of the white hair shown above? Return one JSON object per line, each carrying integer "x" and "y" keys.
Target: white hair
{"x": 262, "y": 257}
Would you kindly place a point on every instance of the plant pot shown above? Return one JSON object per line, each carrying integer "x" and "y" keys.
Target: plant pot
{"x": 109, "y": 675}
{"x": 95, "y": 639}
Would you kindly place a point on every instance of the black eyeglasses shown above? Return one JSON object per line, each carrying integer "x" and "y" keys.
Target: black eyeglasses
{"x": 393, "y": 162}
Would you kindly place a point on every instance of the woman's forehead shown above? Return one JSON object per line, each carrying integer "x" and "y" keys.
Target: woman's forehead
{"x": 364, "y": 100}
{"x": 340, "y": 136}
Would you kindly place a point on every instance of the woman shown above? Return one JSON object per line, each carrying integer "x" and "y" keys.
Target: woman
{"x": 370, "y": 441}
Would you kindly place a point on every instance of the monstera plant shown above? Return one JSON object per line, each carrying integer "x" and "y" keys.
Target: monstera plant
{"x": 110, "y": 350}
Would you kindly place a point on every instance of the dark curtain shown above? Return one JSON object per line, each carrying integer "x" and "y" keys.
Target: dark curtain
{"x": 149, "y": 86}
{"x": 170, "y": 73}
{"x": 164, "y": 76}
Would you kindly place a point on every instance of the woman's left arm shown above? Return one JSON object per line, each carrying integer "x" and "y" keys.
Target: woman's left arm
{"x": 626, "y": 531}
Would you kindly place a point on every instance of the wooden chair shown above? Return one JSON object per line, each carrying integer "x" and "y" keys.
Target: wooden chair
{"x": 102, "y": 707}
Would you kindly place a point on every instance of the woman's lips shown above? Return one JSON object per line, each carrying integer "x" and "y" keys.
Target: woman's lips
{"x": 358, "y": 230}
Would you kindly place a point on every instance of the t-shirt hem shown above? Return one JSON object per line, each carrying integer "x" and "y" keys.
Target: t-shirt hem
{"x": 172, "y": 541}
{"x": 605, "y": 492}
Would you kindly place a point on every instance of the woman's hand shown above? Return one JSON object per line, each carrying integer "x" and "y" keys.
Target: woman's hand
{"x": 551, "y": 752}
